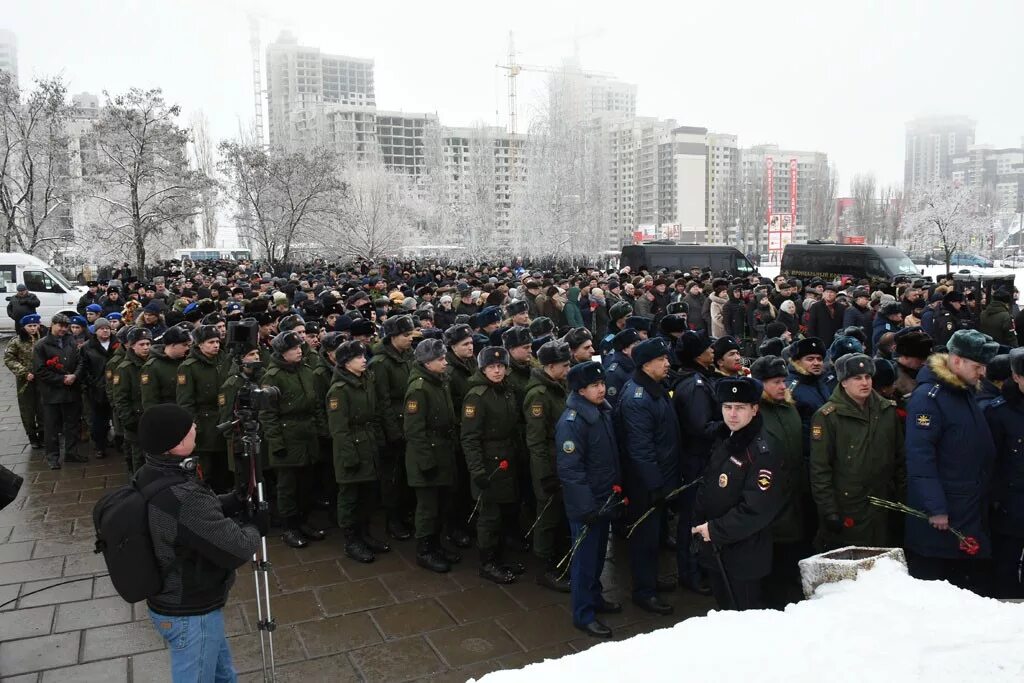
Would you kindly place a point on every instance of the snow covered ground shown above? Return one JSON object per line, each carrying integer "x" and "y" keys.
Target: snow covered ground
{"x": 885, "y": 626}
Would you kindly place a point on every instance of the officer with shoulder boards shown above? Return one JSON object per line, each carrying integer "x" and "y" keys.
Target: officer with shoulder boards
{"x": 738, "y": 499}
{"x": 588, "y": 467}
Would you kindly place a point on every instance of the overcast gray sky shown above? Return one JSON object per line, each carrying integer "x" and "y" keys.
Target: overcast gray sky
{"x": 842, "y": 78}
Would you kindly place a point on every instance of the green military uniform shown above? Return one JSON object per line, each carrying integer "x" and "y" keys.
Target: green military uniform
{"x": 543, "y": 404}
{"x": 323, "y": 376}
{"x": 291, "y": 428}
{"x": 460, "y": 371}
{"x": 390, "y": 370}
{"x": 111, "y": 367}
{"x": 126, "y": 398}
{"x": 354, "y": 426}
{"x": 18, "y": 359}
{"x": 783, "y": 432}
{"x": 430, "y": 447}
{"x": 199, "y": 380}
{"x": 997, "y": 322}
{"x": 226, "y": 413}
{"x": 159, "y": 379}
{"x": 490, "y": 435}
{"x": 856, "y": 453}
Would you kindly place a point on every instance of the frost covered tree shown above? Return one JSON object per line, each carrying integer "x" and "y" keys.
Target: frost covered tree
{"x": 34, "y": 163}
{"x": 137, "y": 173}
{"x": 946, "y": 215}
{"x": 202, "y": 148}
{"x": 375, "y": 216}
{"x": 281, "y": 198}
{"x": 823, "y": 204}
{"x": 864, "y": 212}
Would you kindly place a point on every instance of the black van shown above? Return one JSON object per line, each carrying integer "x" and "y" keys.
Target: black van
{"x": 830, "y": 261}
{"x": 653, "y": 256}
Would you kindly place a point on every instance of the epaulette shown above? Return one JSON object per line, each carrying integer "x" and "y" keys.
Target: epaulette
{"x": 828, "y": 409}
{"x": 188, "y": 361}
{"x": 996, "y": 403}
{"x": 417, "y": 383}
{"x": 612, "y": 367}
{"x": 638, "y": 392}
{"x": 570, "y": 416}
{"x": 271, "y": 372}
{"x": 793, "y": 384}
{"x": 476, "y": 391}
{"x": 934, "y": 391}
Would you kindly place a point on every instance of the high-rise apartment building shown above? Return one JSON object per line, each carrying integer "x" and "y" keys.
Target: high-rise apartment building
{"x": 9, "y": 53}
{"x": 579, "y": 96}
{"x": 999, "y": 173}
{"x": 303, "y": 82}
{"x": 723, "y": 178}
{"x": 932, "y": 142}
{"x": 682, "y": 183}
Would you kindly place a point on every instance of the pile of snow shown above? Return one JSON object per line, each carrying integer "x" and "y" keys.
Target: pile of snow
{"x": 885, "y": 626}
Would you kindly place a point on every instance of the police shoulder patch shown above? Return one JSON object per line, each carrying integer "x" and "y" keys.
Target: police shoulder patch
{"x": 117, "y": 379}
{"x": 469, "y": 410}
{"x": 996, "y": 403}
{"x": 639, "y": 393}
{"x": 570, "y": 416}
{"x": 144, "y": 378}
{"x": 182, "y": 379}
{"x": 764, "y": 479}
{"x": 332, "y": 403}
{"x": 537, "y": 409}
{"x": 924, "y": 421}
{"x": 221, "y": 399}
{"x": 699, "y": 381}
{"x": 569, "y": 446}
{"x": 816, "y": 432}
{"x": 612, "y": 367}
{"x": 412, "y": 406}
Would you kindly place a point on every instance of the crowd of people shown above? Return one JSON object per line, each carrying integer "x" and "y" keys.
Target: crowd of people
{"x": 740, "y": 423}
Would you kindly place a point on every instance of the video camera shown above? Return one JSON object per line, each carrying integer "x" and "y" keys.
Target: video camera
{"x": 242, "y": 337}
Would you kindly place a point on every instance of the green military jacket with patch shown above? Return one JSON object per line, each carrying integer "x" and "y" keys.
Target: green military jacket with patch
{"x": 490, "y": 435}
{"x": 391, "y": 379}
{"x": 783, "y": 432}
{"x": 543, "y": 404}
{"x": 353, "y": 422}
{"x": 430, "y": 432}
{"x": 159, "y": 379}
{"x": 126, "y": 394}
{"x": 199, "y": 380}
{"x": 292, "y": 425}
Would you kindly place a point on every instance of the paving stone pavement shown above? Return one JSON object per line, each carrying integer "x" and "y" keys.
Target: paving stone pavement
{"x": 337, "y": 620}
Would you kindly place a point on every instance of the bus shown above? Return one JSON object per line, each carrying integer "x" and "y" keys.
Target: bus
{"x": 212, "y": 254}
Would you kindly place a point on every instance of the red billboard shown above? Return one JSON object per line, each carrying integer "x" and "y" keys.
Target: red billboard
{"x": 769, "y": 170}
{"x": 793, "y": 174}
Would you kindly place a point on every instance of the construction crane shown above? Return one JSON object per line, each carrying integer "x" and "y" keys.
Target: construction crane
{"x": 257, "y": 78}
{"x": 514, "y": 68}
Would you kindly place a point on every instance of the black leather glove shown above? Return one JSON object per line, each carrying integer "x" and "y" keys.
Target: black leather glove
{"x": 232, "y": 503}
{"x": 482, "y": 481}
{"x": 261, "y": 519}
{"x": 834, "y": 523}
{"x": 550, "y": 485}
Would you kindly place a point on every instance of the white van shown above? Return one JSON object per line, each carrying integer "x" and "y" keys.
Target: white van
{"x": 56, "y": 294}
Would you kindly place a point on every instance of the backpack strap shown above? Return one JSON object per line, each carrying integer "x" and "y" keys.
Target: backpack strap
{"x": 150, "y": 490}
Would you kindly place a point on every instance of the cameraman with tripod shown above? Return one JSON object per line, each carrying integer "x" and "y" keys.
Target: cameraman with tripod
{"x": 197, "y": 547}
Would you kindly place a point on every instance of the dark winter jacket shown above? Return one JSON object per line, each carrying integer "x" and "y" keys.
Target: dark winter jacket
{"x": 950, "y": 456}
{"x": 855, "y": 316}
{"x": 783, "y": 434}
{"x": 618, "y": 369}
{"x": 740, "y": 496}
{"x": 699, "y": 416}
{"x": 649, "y": 434}
{"x": 588, "y": 458}
{"x": 824, "y": 322}
{"x": 810, "y": 392}
{"x": 734, "y": 315}
{"x": 52, "y": 359}
{"x": 1005, "y": 417}
{"x": 20, "y": 306}
{"x": 997, "y": 322}
{"x": 197, "y": 547}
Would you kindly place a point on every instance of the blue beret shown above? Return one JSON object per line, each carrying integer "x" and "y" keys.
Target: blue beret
{"x": 153, "y": 306}
{"x": 648, "y": 350}
{"x": 79, "y": 320}
{"x": 30, "y": 319}
{"x": 585, "y": 374}
{"x": 191, "y": 307}
{"x": 94, "y": 308}
{"x": 113, "y": 316}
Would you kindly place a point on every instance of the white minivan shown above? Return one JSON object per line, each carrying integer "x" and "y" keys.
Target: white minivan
{"x": 56, "y": 294}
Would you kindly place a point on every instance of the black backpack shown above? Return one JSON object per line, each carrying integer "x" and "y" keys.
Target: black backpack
{"x": 121, "y": 519}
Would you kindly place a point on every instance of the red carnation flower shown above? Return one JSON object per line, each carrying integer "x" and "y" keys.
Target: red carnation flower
{"x": 848, "y": 522}
{"x": 616, "y": 488}
{"x": 625, "y": 501}
{"x": 503, "y": 465}
{"x": 970, "y": 545}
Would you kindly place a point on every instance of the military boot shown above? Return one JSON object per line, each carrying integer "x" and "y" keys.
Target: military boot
{"x": 311, "y": 533}
{"x": 459, "y": 538}
{"x": 397, "y": 529}
{"x": 429, "y": 557}
{"x": 376, "y": 545}
{"x": 552, "y": 577}
{"x": 292, "y": 537}
{"x": 450, "y": 556}
{"x": 490, "y": 570}
{"x": 356, "y": 548}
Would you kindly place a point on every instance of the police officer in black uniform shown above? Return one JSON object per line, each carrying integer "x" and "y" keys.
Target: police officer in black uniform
{"x": 738, "y": 499}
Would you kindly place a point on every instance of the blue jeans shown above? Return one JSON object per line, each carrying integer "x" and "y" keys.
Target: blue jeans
{"x": 199, "y": 649}
{"x": 585, "y": 572}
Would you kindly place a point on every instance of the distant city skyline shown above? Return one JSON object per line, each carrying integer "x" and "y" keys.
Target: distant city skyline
{"x": 794, "y": 74}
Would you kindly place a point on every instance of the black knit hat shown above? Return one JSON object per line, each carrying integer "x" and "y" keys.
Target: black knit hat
{"x": 362, "y": 328}
{"x": 163, "y": 427}
{"x": 691, "y": 345}
{"x": 516, "y": 336}
{"x": 768, "y": 367}
{"x": 555, "y": 351}
{"x": 885, "y": 374}
{"x": 998, "y": 369}
{"x": 806, "y": 347}
{"x": 541, "y": 326}
{"x": 738, "y": 390}
{"x": 724, "y": 345}
{"x": 583, "y": 375}
{"x": 457, "y": 333}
